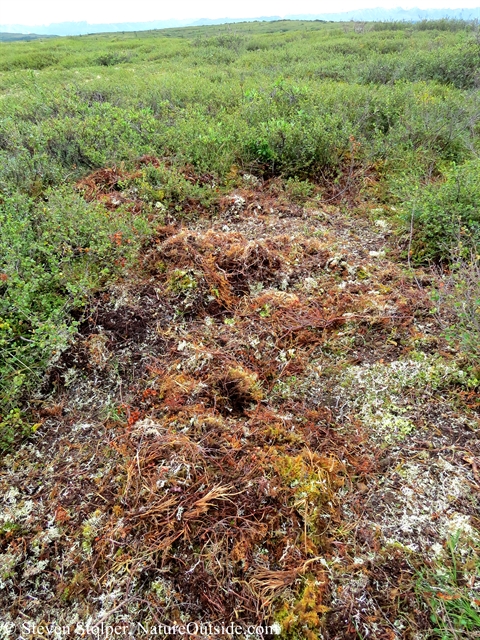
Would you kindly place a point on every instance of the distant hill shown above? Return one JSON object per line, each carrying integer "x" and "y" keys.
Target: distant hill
{"x": 13, "y": 37}
{"x": 378, "y": 14}
{"x": 381, "y": 14}
{"x": 85, "y": 28}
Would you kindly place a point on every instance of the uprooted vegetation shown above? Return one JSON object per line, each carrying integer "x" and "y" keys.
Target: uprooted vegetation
{"x": 259, "y": 422}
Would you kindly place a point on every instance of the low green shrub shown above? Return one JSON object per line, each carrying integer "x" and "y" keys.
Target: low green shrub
{"x": 53, "y": 255}
{"x": 300, "y": 146}
{"x": 13, "y": 426}
{"x": 444, "y": 212}
{"x": 38, "y": 60}
{"x": 459, "y": 296}
{"x": 166, "y": 186}
{"x": 112, "y": 58}
{"x": 299, "y": 190}
{"x": 457, "y": 66}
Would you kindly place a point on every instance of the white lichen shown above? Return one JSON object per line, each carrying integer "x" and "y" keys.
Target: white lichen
{"x": 383, "y": 395}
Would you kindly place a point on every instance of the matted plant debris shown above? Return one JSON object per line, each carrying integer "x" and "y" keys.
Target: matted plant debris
{"x": 259, "y": 424}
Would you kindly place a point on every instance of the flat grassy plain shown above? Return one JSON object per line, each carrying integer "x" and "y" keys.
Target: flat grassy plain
{"x": 239, "y": 329}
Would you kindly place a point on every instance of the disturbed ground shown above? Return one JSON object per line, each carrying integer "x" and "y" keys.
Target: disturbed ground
{"x": 259, "y": 423}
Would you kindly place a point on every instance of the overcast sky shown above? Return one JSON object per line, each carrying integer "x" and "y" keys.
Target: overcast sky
{"x": 38, "y": 12}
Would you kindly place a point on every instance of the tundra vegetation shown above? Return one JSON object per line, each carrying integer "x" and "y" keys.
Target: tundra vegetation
{"x": 240, "y": 329}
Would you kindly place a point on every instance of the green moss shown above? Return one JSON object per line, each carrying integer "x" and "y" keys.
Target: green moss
{"x": 181, "y": 281}
{"x": 312, "y": 485}
{"x": 304, "y": 618}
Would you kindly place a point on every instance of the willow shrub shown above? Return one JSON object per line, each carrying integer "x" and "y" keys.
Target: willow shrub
{"x": 445, "y": 214}
{"x": 53, "y": 255}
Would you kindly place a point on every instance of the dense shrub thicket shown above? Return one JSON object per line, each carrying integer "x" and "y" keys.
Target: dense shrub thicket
{"x": 295, "y": 100}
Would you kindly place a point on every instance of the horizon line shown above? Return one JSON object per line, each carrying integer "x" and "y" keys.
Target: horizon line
{"x": 226, "y": 19}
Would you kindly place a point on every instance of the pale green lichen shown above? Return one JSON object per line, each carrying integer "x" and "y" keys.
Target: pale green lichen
{"x": 381, "y": 393}
{"x": 8, "y": 563}
{"x": 90, "y": 529}
{"x": 15, "y": 511}
{"x": 44, "y": 538}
